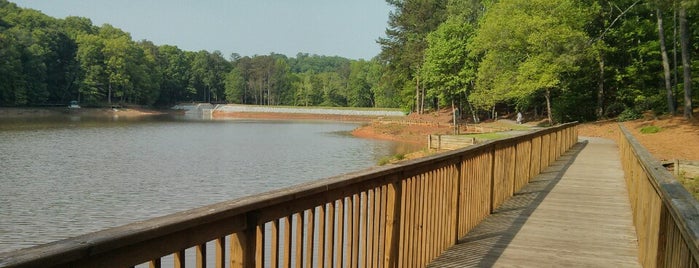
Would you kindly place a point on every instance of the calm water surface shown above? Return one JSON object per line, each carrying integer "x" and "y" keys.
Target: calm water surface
{"x": 66, "y": 176}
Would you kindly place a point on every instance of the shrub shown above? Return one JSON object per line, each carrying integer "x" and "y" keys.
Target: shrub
{"x": 650, "y": 129}
{"x": 384, "y": 161}
{"x": 628, "y": 115}
{"x": 614, "y": 109}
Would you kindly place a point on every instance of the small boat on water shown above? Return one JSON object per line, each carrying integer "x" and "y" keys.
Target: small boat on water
{"x": 73, "y": 105}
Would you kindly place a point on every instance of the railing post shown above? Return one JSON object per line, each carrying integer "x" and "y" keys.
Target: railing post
{"x": 244, "y": 244}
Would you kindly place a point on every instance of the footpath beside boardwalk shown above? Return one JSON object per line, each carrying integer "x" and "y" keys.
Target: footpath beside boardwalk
{"x": 574, "y": 214}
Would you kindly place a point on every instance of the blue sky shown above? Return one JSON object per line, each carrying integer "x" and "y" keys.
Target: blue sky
{"x": 347, "y": 28}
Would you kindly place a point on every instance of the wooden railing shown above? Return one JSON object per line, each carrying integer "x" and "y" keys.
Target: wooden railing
{"x": 666, "y": 216}
{"x": 402, "y": 215}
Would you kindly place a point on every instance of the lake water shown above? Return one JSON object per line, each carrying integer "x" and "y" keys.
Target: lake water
{"x": 65, "y": 176}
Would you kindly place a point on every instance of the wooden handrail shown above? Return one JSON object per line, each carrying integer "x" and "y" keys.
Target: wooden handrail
{"x": 666, "y": 215}
{"x": 392, "y": 216}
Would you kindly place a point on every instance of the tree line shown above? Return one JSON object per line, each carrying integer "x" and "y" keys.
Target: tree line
{"x": 569, "y": 59}
{"x": 50, "y": 61}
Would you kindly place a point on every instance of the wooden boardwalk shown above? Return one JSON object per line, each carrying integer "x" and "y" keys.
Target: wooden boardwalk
{"x": 575, "y": 214}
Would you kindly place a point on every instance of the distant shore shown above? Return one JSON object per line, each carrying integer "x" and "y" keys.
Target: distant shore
{"x": 300, "y": 113}
{"x": 28, "y": 112}
{"x": 373, "y": 120}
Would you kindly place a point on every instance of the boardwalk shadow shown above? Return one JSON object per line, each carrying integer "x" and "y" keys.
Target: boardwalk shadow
{"x": 484, "y": 244}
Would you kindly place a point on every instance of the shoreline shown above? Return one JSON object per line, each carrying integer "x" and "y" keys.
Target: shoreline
{"x": 292, "y": 116}
{"x": 29, "y": 112}
{"x": 372, "y": 126}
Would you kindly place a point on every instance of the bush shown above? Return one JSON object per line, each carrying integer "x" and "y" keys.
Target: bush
{"x": 384, "y": 161}
{"x": 614, "y": 109}
{"x": 657, "y": 103}
{"x": 628, "y": 115}
{"x": 650, "y": 129}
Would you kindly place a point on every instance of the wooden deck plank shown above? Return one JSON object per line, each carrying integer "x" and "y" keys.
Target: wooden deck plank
{"x": 576, "y": 213}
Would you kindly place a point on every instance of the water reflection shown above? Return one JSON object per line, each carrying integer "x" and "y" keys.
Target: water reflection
{"x": 68, "y": 175}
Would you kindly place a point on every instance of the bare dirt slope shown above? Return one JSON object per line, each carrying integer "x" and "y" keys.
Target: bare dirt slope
{"x": 678, "y": 138}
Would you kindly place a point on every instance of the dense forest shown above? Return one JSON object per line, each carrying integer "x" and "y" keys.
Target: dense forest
{"x": 49, "y": 61}
{"x": 567, "y": 59}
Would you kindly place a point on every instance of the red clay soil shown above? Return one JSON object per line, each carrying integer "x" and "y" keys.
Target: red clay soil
{"x": 678, "y": 138}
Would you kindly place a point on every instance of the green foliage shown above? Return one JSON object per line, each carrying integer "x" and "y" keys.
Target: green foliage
{"x": 657, "y": 103}
{"x": 487, "y": 136}
{"x": 586, "y": 54}
{"x": 447, "y": 70}
{"x": 390, "y": 159}
{"x": 691, "y": 184}
{"x": 628, "y": 115}
{"x": 566, "y": 108}
{"x": 384, "y": 160}
{"x": 614, "y": 109}
{"x": 527, "y": 46}
{"x": 53, "y": 61}
{"x": 403, "y": 48}
{"x": 650, "y": 129}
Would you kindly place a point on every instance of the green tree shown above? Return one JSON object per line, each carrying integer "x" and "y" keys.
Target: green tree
{"x": 447, "y": 71}
{"x": 402, "y": 50}
{"x": 93, "y": 78}
{"x": 527, "y": 47}
{"x": 235, "y": 86}
{"x": 174, "y": 66}
{"x": 359, "y": 85}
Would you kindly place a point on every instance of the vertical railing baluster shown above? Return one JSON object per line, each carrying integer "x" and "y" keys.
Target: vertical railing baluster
{"x": 220, "y": 252}
{"x": 356, "y": 202}
{"x": 274, "y": 254}
{"x": 310, "y": 220}
{"x": 259, "y": 245}
{"x": 330, "y": 235}
{"x": 200, "y": 255}
{"x": 238, "y": 244}
{"x": 155, "y": 263}
{"x": 179, "y": 259}
{"x": 370, "y": 228}
{"x": 339, "y": 232}
{"x": 286, "y": 262}
{"x": 363, "y": 245}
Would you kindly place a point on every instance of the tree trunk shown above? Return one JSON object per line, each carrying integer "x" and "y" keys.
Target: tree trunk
{"x": 548, "y": 105}
{"x": 455, "y": 113}
{"x": 684, "y": 44}
{"x": 666, "y": 64}
{"x": 674, "y": 56}
{"x": 600, "y": 88}
{"x": 417, "y": 95}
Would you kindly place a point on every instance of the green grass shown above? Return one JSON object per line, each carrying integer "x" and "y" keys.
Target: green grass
{"x": 487, "y": 136}
{"x": 390, "y": 159}
{"x": 650, "y": 129}
{"x": 691, "y": 184}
